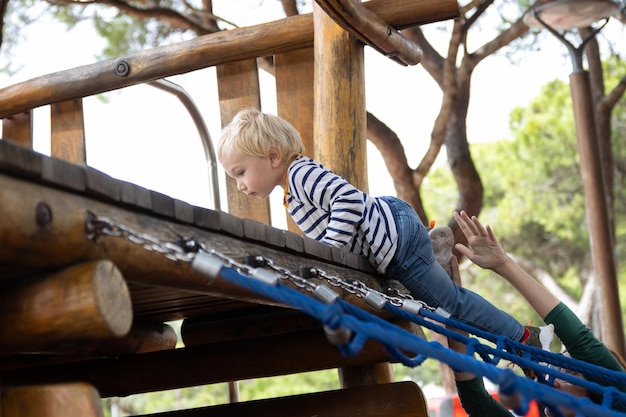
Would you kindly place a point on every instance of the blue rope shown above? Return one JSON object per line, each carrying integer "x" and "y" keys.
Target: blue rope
{"x": 364, "y": 326}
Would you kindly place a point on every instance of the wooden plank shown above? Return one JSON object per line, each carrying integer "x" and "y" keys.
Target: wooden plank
{"x": 17, "y": 158}
{"x": 400, "y": 399}
{"x": 67, "y": 138}
{"x": 205, "y": 364}
{"x": 238, "y": 87}
{"x": 82, "y": 302}
{"x": 293, "y": 71}
{"x": 67, "y": 400}
{"x": 19, "y": 128}
{"x": 63, "y": 173}
{"x": 99, "y": 184}
{"x": 233, "y": 45}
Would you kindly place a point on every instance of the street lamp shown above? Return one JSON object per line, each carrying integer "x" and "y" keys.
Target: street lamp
{"x": 564, "y": 15}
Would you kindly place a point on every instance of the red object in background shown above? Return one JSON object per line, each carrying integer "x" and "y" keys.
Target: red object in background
{"x": 451, "y": 407}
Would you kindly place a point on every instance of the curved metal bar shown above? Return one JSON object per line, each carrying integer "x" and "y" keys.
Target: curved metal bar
{"x": 191, "y": 107}
{"x": 369, "y": 28}
{"x": 576, "y": 52}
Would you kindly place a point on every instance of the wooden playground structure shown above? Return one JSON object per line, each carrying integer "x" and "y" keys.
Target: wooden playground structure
{"x": 85, "y": 312}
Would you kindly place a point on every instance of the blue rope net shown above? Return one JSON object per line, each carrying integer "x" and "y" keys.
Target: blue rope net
{"x": 354, "y": 326}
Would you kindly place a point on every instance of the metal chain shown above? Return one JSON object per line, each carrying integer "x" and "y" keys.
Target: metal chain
{"x": 184, "y": 250}
{"x": 97, "y": 226}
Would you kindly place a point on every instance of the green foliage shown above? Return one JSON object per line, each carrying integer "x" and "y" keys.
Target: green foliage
{"x": 534, "y": 196}
{"x": 288, "y": 385}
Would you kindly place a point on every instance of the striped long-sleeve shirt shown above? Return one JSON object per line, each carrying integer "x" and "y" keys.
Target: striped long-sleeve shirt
{"x": 329, "y": 209}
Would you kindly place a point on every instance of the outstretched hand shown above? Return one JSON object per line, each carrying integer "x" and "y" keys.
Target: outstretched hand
{"x": 483, "y": 248}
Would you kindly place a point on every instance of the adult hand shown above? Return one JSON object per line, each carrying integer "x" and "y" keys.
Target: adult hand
{"x": 483, "y": 248}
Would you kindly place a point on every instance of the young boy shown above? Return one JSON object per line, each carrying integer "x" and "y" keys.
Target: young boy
{"x": 262, "y": 151}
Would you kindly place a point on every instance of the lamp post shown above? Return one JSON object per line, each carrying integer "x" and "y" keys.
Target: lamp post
{"x": 569, "y": 14}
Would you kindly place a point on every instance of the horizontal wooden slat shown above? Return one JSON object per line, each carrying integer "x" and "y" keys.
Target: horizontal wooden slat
{"x": 400, "y": 399}
{"x": 200, "y": 365}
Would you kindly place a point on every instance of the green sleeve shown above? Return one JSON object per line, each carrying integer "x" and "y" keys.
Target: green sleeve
{"x": 476, "y": 400}
{"x": 580, "y": 341}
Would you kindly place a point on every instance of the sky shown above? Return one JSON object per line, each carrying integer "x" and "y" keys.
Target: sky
{"x": 144, "y": 135}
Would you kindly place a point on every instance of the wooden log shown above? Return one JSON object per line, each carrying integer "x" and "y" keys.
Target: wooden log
{"x": 340, "y": 124}
{"x": 62, "y": 241}
{"x": 204, "y": 364}
{"x": 67, "y": 139}
{"x": 267, "y": 39}
{"x": 399, "y": 399}
{"x": 143, "y": 337}
{"x": 370, "y": 29}
{"x": 67, "y": 400}
{"x": 85, "y": 301}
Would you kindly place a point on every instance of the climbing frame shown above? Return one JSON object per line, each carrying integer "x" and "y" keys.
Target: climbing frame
{"x": 125, "y": 294}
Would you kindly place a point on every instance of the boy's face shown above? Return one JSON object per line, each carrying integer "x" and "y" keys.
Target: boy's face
{"x": 256, "y": 176}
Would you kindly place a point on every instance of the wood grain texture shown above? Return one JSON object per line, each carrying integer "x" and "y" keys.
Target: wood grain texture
{"x": 67, "y": 400}
{"x": 81, "y": 302}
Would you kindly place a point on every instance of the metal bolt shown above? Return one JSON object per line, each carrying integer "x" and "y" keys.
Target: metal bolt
{"x": 122, "y": 69}
{"x": 43, "y": 215}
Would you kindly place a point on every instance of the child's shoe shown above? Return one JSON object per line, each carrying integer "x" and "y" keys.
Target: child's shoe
{"x": 540, "y": 337}
{"x": 443, "y": 240}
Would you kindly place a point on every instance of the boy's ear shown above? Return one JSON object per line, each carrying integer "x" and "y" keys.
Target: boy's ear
{"x": 274, "y": 156}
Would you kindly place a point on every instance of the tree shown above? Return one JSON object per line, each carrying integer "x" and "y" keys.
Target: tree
{"x": 534, "y": 193}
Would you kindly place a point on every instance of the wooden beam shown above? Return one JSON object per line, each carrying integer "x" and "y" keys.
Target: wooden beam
{"x": 370, "y": 29}
{"x": 400, "y": 399}
{"x": 202, "y": 365}
{"x": 67, "y": 400}
{"x": 81, "y": 302}
{"x": 238, "y": 44}
{"x": 143, "y": 337}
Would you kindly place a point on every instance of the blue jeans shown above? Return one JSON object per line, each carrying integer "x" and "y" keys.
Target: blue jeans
{"x": 415, "y": 267}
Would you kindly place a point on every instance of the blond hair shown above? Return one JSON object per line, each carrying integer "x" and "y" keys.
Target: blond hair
{"x": 254, "y": 133}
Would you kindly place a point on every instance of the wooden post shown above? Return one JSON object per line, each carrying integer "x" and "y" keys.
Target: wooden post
{"x": 19, "y": 128}
{"x": 340, "y": 116}
{"x": 295, "y": 98}
{"x": 67, "y": 400}
{"x": 68, "y": 131}
{"x": 86, "y": 301}
{"x": 340, "y": 131}
{"x": 238, "y": 87}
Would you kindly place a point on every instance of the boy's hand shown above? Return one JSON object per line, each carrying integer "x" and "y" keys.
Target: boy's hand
{"x": 483, "y": 248}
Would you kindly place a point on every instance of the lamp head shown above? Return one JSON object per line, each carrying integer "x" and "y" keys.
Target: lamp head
{"x": 570, "y": 14}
